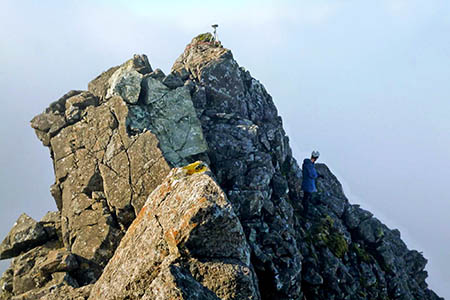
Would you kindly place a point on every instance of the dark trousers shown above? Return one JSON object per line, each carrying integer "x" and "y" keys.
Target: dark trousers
{"x": 307, "y": 200}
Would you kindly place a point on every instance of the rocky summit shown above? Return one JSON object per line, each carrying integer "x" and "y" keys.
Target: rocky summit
{"x": 183, "y": 186}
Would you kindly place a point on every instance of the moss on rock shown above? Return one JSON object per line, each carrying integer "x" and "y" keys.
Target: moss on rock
{"x": 326, "y": 233}
{"x": 204, "y": 37}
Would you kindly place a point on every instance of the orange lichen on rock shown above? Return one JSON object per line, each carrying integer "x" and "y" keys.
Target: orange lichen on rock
{"x": 171, "y": 237}
{"x": 138, "y": 219}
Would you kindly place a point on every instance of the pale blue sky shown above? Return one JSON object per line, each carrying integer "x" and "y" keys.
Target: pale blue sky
{"x": 366, "y": 83}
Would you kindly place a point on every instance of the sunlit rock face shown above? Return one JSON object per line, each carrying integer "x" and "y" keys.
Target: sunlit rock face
{"x": 183, "y": 186}
{"x": 190, "y": 242}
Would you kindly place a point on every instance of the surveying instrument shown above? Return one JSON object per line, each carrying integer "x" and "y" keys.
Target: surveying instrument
{"x": 216, "y": 40}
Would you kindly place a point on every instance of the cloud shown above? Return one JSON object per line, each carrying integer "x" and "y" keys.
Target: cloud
{"x": 314, "y": 13}
{"x": 413, "y": 11}
{"x": 399, "y": 7}
{"x": 324, "y": 62}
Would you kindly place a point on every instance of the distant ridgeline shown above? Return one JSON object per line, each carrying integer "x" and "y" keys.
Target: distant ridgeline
{"x": 183, "y": 186}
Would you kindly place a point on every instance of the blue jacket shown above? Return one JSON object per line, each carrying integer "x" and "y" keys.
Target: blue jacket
{"x": 309, "y": 176}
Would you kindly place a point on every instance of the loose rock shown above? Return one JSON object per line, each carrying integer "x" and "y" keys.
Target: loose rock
{"x": 25, "y": 234}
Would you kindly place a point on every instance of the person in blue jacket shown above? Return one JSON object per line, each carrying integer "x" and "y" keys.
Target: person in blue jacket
{"x": 309, "y": 177}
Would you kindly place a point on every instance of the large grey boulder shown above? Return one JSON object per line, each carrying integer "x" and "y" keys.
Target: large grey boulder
{"x": 171, "y": 116}
{"x": 42, "y": 266}
{"x": 125, "y": 83}
{"x": 173, "y": 81}
{"x": 190, "y": 242}
{"x": 101, "y": 85}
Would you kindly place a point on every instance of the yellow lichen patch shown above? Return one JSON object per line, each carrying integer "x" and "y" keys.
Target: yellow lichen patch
{"x": 196, "y": 167}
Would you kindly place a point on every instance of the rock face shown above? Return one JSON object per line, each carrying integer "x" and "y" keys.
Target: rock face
{"x": 191, "y": 245}
{"x": 110, "y": 152}
{"x": 137, "y": 219}
{"x": 251, "y": 158}
{"x": 40, "y": 267}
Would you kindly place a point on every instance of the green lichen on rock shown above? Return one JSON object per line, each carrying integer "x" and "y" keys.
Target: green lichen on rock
{"x": 379, "y": 233}
{"x": 171, "y": 116}
{"x": 326, "y": 233}
{"x": 204, "y": 37}
{"x": 337, "y": 244}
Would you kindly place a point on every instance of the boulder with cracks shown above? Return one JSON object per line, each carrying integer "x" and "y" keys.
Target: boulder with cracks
{"x": 191, "y": 245}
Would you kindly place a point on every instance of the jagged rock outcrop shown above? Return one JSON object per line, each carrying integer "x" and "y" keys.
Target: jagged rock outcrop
{"x": 297, "y": 250}
{"x": 25, "y": 235}
{"x": 251, "y": 158}
{"x": 41, "y": 266}
{"x": 110, "y": 152}
{"x": 191, "y": 245}
{"x": 133, "y": 223}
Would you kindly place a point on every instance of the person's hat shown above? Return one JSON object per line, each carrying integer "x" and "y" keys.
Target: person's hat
{"x": 315, "y": 154}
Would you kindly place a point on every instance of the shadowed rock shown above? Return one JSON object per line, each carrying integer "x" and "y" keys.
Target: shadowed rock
{"x": 43, "y": 266}
{"x": 57, "y": 290}
{"x": 52, "y": 225}
{"x": 25, "y": 234}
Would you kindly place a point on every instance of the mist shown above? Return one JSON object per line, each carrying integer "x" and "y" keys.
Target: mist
{"x": 366, "y": 84}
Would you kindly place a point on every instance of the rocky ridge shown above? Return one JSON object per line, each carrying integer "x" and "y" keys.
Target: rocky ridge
{"x": 184, "y": 186}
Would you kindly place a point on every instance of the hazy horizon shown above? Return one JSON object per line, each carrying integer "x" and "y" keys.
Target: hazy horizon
{"x": 365, "y": 84}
